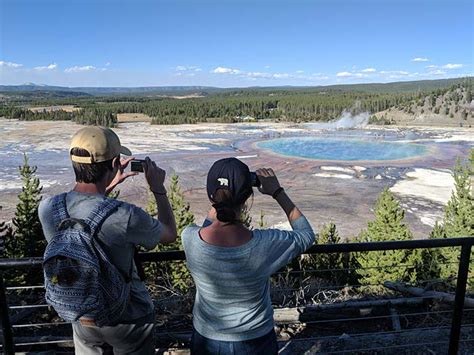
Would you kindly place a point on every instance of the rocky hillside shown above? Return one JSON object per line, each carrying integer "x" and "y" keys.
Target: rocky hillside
{"x": 453, "y": 106}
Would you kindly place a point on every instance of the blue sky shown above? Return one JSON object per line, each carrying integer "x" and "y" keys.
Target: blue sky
{"x": 231, "y": 43}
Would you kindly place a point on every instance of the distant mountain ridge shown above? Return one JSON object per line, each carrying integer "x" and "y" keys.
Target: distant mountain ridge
{"x": 401, "y": 86}
{"x": 104, "y": 90}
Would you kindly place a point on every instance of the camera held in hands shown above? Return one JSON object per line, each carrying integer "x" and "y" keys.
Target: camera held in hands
{"x": 136, "y": 165}
{"x": 255, "y": 180}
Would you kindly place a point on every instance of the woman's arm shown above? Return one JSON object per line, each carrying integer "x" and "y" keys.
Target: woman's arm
{"x": 271, "y": 186}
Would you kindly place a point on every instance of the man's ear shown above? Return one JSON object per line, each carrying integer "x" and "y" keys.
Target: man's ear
{"x": 116, "y": 163}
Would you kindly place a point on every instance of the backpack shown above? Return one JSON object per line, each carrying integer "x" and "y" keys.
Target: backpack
{"x": 80, "y": 280}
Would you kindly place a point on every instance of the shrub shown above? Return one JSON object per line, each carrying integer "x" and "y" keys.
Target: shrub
{"x": 341, "y": 267}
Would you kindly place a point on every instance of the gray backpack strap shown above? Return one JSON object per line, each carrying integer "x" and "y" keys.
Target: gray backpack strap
{"x": 100, "y": 213}
{"x": 59, "y": 209}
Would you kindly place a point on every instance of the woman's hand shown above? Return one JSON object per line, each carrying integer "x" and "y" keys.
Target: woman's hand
{"x": 271, "y": 186}
{"x": 268, "y": 180}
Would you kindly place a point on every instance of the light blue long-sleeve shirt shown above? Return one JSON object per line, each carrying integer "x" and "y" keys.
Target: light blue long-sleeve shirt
{"x": 233, "y": 283}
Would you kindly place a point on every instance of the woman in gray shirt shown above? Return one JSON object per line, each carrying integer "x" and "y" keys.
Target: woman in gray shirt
{"x": 231, "y": 265}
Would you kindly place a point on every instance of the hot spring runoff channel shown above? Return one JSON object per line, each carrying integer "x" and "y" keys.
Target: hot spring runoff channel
{"x": 342, "y": 149}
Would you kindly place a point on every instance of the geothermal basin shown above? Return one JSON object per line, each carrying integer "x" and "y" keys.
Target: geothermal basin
{"x": 342, "y": 149}
{"x": 333, "y": 175}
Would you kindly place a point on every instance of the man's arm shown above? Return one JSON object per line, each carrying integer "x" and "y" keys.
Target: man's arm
{"x": 155, "y": 177}
{"x": 166, "y": 217}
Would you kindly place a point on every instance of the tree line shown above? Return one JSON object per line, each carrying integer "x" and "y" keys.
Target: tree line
{"x": 233, "y": 107}
{"x": 228, "y": 106}
{"x": 87, "y": 116}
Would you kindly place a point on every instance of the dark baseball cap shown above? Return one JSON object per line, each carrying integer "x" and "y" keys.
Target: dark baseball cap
{"x": 230, "y": 174}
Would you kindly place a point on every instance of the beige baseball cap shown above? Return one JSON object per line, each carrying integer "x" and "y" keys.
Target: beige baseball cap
{"x": 102, "y": 144}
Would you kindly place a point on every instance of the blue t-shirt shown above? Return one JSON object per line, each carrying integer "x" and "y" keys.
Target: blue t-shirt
{"x": 129, "y": 226}
{"x": 233, "y": 283}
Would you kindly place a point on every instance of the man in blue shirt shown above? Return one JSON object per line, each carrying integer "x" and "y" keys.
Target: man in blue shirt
{"x": 95, "y": 154}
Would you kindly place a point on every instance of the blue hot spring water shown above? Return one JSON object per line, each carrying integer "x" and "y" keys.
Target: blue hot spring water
{"x": 342, "y": 149}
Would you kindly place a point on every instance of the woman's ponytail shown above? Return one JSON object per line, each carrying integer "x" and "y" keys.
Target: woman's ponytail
{"x": 226, "y": 213}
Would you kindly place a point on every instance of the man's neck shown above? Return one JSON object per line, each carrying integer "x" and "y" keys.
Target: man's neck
{"x": 98, "y": 188}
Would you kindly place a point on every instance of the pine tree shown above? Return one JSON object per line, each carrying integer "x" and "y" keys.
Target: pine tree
{"x": 6, "y": 233}
{"x": 459, "y": 213}
{"x": 28, "y": 239}
{"x": 151, "y": 207}
{"x": 175, "y": 272}
{"x": 245, "y": 217}
{"x": 114, "y": 194}
{"x": 429, "y": 267}
{"x": 377, "y": 267}
{"x": 458, "y": 219}
{"x": 341, "y": 267}
{"x": 183, "y": 215}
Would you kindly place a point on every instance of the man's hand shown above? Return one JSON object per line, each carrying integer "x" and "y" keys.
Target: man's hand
{"x": 268, "y": 180}
{"x": 155, "y": 176}
{"x": 121, "y": 176}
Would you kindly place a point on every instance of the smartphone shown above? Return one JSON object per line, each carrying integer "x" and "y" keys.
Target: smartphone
{"x": 137, "y": 165}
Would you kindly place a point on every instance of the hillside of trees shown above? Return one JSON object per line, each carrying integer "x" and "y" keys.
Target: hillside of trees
{"x": 447, "y": 105}
{"x": 283, "y": 104}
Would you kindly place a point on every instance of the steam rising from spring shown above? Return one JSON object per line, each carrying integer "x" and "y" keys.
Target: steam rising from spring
{"x": 347, "y": 120}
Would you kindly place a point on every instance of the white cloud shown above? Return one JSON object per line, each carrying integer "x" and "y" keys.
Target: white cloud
{"x": 344, "y": 74}
{"x": 369, "y": 70}
{"x": 267, "y": 67}
{"x": 258, "y": 75}
{"x": 184, "y": 74}
{"x": 452, "y": 66}
{"x": 437, "y": 72}
{"x": 253, "y": 76}
{"x": 78, "y": 69}
{"x": 187, "y": 68}
{"x": 223, "y": 70}
{"x": 420, "y": 59}
{"x": 10, "y": 64}
{"x": 47, "y": 67}
{"x": 107, "y": 64}
{"x": 281, "y": 76}
{"x": 318, "y": 76}
{"x": 395, "y": 72}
